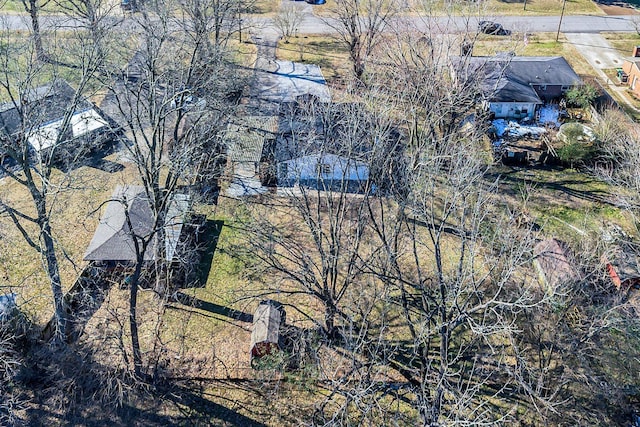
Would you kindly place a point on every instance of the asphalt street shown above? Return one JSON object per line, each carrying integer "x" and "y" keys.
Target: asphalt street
{"x": 315, "y": 25}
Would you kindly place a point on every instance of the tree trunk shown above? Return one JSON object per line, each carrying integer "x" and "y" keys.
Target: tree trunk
{"x": 51, "y": 261}
{"x": 32, "y": 9}
{"x": 329, "y": 320}
{"x": 133, "y": 322}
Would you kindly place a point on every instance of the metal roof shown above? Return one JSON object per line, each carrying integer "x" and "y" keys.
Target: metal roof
{"x": 245, "y": 140}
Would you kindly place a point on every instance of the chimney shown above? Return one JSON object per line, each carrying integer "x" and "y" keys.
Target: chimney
{"x": 636, "y": 51}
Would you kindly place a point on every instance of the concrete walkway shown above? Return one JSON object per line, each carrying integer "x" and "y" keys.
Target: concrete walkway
{"x": 273, "y": 83}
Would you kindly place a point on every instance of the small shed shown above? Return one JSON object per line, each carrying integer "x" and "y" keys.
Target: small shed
{"x": 553, "y": 261}
{"x": 265, "y": 337}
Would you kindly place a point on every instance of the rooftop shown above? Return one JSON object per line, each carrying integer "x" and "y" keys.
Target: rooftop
{"x": 113, "y": 239}
{"x": 510, "y": 78}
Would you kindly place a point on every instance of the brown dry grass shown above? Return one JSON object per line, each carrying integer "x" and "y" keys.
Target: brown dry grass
{"x": 622, "y": 42}
{"x": 540, "y": 44}
{"x": 78, "y": 195}
{"x": 327, "y": 52}
{"x": 488, "y": 9}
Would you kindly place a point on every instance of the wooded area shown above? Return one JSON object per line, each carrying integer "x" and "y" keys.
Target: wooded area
{"x": 380, "y": 266}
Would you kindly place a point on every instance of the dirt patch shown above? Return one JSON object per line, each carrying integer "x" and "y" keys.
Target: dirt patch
{"x": 617, "y": 8}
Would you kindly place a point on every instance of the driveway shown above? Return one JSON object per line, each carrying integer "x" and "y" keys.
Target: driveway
{"x": 596, "y": 50}
{"x": 601, "y": 55}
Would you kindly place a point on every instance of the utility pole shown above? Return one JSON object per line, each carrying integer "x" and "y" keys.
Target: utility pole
{"x": 564, "y": 3}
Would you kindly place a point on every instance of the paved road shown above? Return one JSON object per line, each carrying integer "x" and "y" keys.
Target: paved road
{"x": 314, "y": 24}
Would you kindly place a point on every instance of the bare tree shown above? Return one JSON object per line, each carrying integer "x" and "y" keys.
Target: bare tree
{"x": 359, "y": 25}
{"x": 34, "y": 151}
{"x": 33, "y": 7}
{"x": 324, "y": 158}
{"x": 448, "y": 255}
{"x": 288, "y": 20}
{"x": 174, "y": 100}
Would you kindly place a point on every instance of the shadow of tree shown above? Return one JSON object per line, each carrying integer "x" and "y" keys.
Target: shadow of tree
{"x": 185, "y": 299}
{"x": 71, "y": 386}
{"x": 196, "y": 409}
{"x": 569, "y": 187}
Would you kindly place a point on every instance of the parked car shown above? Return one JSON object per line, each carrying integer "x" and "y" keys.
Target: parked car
{"x": 316, "y": 2}
{"x": 493, "y": 28}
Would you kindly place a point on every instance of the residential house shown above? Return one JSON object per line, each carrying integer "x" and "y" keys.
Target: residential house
{"x": 324, "y": 171}
{"x": 329, "y": 146}
{"x": 128, "y": 215}
{"x": 513, "y": 87}
{"x": 631, "y": 67}
{"x": 50, "y": 116}
{"x": 245, "y": 141}
{"x": 246, "y": 138}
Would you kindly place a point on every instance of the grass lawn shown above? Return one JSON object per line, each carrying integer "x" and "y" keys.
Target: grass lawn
{"x": 540, "y": 44}
{"x": 542, "y": 7}
{"x": 565, "y": 201}
{"x": 622, "y": 42}
{"x": 73, "y": 225}
{"x": 264, "y": 7}
{"x": 633, "y": 100}
{"x": 488, "y": 9}
{"x": 323, "y": 50}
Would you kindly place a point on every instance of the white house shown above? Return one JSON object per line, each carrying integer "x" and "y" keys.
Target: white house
{"x": 82, "y": 123}
{"x": 41, "y": 115}
{"x": 515, "y": 86}
{"x": 323, "y": 171}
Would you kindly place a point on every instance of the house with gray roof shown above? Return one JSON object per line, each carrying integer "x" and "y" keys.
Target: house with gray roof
{"x": 49, "y": 116}
{"x": 127, "y": 216}
{"x": 515, "y": 86}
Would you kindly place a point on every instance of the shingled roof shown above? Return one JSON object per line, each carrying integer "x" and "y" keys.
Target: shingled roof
{"x": 42, "y": 105}
{"x": 113, "y": 238}
{"x": 553, "y": 261}
{"x": 245, "y": 140}
{"x": 510, "y": 79}
{"x": 39, "y": 112}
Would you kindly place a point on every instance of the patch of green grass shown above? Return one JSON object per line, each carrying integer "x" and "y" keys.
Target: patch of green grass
{"x": 566, "y": 201}
{"x": 264, "y": 7}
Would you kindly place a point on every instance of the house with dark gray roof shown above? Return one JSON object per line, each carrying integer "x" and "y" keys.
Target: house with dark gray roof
{"x": 49, "y": 116}
{"x": 514, "y": 86}
{"x": 127, "y": 216}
